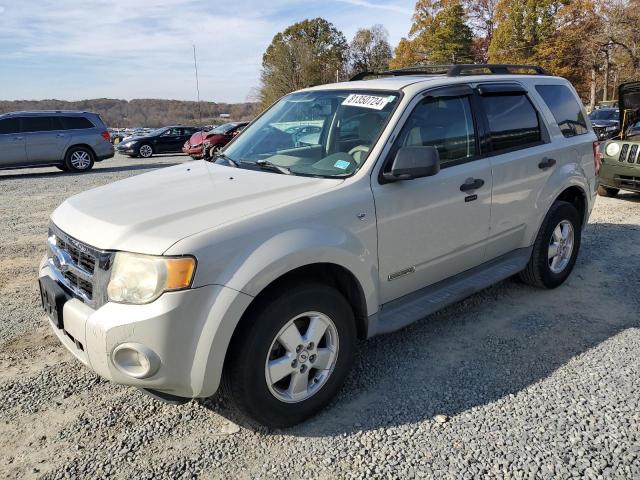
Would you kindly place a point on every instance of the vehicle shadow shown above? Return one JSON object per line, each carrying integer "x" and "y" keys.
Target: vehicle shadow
{"x": 15, "y": 174}
{"x": 493, "y": 344}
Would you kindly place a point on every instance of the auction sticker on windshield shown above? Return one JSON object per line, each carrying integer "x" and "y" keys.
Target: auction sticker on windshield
{"x": 367, "y": 101}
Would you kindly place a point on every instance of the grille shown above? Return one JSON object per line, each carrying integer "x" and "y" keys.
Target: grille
{"x": 633, "y": 152}
{"x": 623, "y": 152}
{"x": 78, "y": 267}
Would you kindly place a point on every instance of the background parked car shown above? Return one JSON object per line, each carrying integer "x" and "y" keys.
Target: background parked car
{"x": 69, "y": 140}
{"x": 214, "y": 140}
{"x": 161, "y": 140}
{"x": 606, "y": 122}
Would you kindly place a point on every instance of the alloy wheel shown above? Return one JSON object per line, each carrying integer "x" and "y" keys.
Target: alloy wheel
{"x": 561, "y": 246}
{"x": 146, "y": 151}
{"x": 80, "y": 159}
{"x": 302, "y": 357}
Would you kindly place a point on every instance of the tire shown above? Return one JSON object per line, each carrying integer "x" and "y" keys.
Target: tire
{"x": 145, "y": 150}
{"x": 79, "y": 159}
{"x": 215, "y": 150}
{"x": 607, "y": 191}
{"x": 247, "y": 374}
{"x": 542, "y": 270}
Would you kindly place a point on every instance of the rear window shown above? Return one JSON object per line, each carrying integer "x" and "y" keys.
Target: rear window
{"x": 75, "y": 123}
{"x": 565, "y": 109}
{"x": 513, "y": 122}
{"x": 9, "y": 126}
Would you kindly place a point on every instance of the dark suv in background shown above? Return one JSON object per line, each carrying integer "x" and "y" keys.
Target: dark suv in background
{"x": 161, "y": 140}
{"x": 69, "y": 140}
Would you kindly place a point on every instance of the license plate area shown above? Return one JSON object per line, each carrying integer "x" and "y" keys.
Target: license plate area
{"x": 53, "y": 299}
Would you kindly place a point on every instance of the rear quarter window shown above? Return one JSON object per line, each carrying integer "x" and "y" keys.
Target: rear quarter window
{"x": 9, "y": 126}
{"x": 513, "y": 122}
{"x": 76, "y": 123}
{"x": 565, "y": 109}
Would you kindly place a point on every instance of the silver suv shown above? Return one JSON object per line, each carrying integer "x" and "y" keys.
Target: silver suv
{"x": 265, "y": 265}
{"x": 69, "y": 140}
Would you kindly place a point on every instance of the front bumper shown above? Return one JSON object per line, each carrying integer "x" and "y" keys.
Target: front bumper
{"x": 126, "y": 150}
{"x": 179, "y": 329}
{"x": 620, "y": 175}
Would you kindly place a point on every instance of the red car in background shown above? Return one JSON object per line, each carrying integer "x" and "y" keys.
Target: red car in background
{"x": 214, "y": 140}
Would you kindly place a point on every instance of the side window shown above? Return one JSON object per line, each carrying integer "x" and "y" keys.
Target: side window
{"x": 36, "y": 124}
{"x": 9, "y": 126}
{"x": 513, "y": 122}
{"x": 445, "y": 123}
{"x": 565, "y": 109}
{"x": 75, "y": 123}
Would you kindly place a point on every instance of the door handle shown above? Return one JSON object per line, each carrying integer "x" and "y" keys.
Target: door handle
{"x": 60, "y": 135}
{"x": 17, "y": 139}
{"x": 471, "y": 184}
{"x": 546, "y": 163}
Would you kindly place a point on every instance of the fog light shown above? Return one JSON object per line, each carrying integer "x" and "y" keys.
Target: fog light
{"x": 135, "y": 360}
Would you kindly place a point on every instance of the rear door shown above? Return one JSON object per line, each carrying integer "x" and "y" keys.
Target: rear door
{"x": 13, "y": 147}
{"x": 45, "y": 138}
{"x": 522, "y": 159}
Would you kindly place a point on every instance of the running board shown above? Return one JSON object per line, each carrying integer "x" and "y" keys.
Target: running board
{"x": 405, "y": 310}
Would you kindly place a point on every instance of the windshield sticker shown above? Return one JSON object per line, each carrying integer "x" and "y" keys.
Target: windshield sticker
{"x": 366, "y": 101}
{"x": 342, "y": 164}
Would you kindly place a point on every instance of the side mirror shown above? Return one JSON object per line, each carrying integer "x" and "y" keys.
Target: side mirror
{"x": 414, "y": 162}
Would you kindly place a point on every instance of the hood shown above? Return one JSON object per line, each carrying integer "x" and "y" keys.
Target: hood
{"x": 148, "y": 213}
{"x": 196, "y": 138}
{"x": 629, "y": 102}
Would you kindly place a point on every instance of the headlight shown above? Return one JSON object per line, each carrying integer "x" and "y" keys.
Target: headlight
{"x": 127, "y": 144}
{"x": 139, "y": 279}
{"x": 612, "y": 149}
{"x": 196, "y": 145}
{"x": 611, "y": 128}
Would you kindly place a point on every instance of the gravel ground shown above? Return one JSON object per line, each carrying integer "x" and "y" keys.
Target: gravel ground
{"x": 511, "y": 383}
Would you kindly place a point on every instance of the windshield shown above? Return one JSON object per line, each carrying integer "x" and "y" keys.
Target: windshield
{"x": 605, "y": 115}
{"x": 154, "y": 133}
{"x": 222, "y": 129}
{"x": 317, "y": 133}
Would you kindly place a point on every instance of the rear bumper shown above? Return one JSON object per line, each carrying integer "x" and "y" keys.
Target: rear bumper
{"x": 105, "y": 156}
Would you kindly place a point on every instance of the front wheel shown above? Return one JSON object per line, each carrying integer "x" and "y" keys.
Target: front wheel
{"x": 215, "y": 151}
{"x": 607, "y": 191}
{"x": 79, "y": 159}
{"x": 556, "y": 247}
{"x": 145, "y": 151}
{"x": 291, "y": 355}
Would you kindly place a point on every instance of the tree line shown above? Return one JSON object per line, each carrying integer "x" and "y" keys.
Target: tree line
{"x": 593, "y": 43}
{"x": 143, "y": 112}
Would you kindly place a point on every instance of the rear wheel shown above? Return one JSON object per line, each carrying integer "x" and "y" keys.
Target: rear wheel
{"x": 79, "y": 159}
{"x": 291, "y": 355}
{"x": 607, "y": 191}
{"x": 556, "y": 247}
{"x": 145, "y": 150}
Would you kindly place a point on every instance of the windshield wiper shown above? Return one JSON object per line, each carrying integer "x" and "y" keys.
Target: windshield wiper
{"x": 229, "y": 160}
{"x": 267, "y": 165}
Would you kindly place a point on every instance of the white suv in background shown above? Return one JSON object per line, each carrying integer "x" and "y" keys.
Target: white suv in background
{"x": 264, "y": 266}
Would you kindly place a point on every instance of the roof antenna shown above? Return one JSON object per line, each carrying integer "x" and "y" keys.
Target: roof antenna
{"x": 195, "y": 66}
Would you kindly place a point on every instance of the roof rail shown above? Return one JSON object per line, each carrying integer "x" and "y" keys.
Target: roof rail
{"x": 457, "y": 70}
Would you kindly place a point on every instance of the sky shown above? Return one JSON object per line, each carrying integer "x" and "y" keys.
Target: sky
{"x": 73, "y": 50}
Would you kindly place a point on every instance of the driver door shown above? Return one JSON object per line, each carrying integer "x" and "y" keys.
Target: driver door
{"x": 428, "y": 228}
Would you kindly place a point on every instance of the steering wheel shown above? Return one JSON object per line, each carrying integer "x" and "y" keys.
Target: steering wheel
{"x": 359, "y": 148}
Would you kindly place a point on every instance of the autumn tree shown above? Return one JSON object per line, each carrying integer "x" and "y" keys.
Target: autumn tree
{"x": 480, "y": 14}
{"x": 439, "y": 34}
{"x": 311, "y": 52}
{"x": 520, "y": 27}
{"x": 370, "y": 50}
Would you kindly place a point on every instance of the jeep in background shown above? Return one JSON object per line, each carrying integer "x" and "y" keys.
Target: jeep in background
{"x": 70, "y": 140}
{"x": 621, "y": 157}
{"x": 264, "y": 266}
